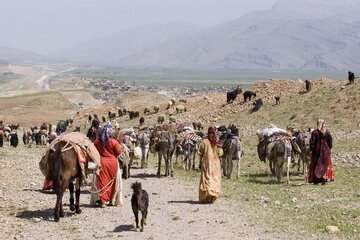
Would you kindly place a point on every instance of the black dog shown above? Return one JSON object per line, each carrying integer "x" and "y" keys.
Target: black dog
{"x": 139, "y": 202}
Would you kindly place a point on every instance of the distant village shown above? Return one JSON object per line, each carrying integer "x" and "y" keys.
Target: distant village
{"x": 111, "y": 90}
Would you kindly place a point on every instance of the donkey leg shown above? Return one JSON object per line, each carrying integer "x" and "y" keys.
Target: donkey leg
{"x": 223, "y": 165}
{"x": 230, "y": 167}
{"x": 147, "y": 157}
{"x": 279, "y": 169}
{"x": 238, "y": 169}
{"x": 171, "y": 166}
{"x": 71, "y": 190}
{"x": 77, "y": 195}
{"x": 142, "y": 157}
{"x": 57, "y": 207}
{"x": 65, "y": 184}
{"x": 193, "y": 162}
{"x": 288, "y": 169}
{"x": 167, "y": 172}
{"x": 159, "y": 164}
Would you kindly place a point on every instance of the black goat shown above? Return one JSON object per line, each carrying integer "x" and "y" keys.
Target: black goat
{"x": 198, "y": 126}
{"x": 14, "y": 140}
{"x": 139, "y": 202}
{"x": 248, "y": 95}
{"x": 257, "y": 105}
{"x": 277, "y": 99}
{"x": 231, "y": 96}
{"x": 351, "y": 77}
{"x": 134, "y": 114}
{"x": 308, "y": 85}
{"x": 111, "y": 115}
{"x": 141, "y": 121}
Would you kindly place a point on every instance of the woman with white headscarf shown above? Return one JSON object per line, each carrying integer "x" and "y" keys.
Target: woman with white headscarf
{"x": 109, "y": 150}
{"x": 321, "y": 167}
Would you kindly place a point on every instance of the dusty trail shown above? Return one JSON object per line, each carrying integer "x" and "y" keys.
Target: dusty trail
{"x": 174, "y": 213}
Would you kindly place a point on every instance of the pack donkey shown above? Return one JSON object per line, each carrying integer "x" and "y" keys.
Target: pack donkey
{"x": 232, "y": 151}
{"x": 164, "y": 145}
{"x": 143, "y": 139}
{"x": 279, "y": 154}
{"x": 64, "y": 167}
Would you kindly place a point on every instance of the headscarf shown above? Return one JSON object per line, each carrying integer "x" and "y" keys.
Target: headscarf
{"x": 214, "y": 137}
{"x": 321, "y": 125}
{"x": 106, "y": 134}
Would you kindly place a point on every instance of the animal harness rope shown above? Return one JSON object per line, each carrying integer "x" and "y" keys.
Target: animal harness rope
{"x": 66, "y": 147}
{"x": 106, "y": 187}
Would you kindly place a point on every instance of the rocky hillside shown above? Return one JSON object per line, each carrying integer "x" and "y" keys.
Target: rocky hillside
{"x": 328, "y": 99}
{"x": 335, "y": 101}
{"x": 34, "y": 109}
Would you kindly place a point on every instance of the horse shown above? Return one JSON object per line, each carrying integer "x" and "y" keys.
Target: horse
{"x": 164, "y": 145}
{"x": 63, "y": 165}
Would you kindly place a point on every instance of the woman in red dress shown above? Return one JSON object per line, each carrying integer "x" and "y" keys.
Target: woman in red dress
{"x": 321, "y": 167}
{"x": 109, "y": 150}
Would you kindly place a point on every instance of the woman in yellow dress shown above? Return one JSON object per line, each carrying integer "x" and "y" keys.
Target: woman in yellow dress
{"x": 210, "y": 151}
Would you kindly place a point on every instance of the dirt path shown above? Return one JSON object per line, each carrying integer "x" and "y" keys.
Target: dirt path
{"x": 174, "y": 213}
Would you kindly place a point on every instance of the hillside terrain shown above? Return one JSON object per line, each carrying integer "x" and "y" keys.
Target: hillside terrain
{"x": 253, "y": 206}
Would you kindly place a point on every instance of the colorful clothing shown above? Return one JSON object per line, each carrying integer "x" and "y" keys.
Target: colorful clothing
{"x": 210, "y": 180}
{"x": 61, "y": 127}
{"x": 321, "y": 167}
{"x": 106, "y": 178}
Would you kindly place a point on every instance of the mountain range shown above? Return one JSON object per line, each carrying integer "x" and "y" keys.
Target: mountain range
{"x": 293, "y": 34}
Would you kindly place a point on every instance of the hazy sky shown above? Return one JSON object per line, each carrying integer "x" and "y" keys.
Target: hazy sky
{"x": 46, "y": 26}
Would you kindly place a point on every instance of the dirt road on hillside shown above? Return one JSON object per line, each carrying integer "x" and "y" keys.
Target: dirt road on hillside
{"x": 174, "y": 213}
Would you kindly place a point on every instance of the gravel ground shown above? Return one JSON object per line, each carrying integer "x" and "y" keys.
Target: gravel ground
{"x": 174, "y": 213}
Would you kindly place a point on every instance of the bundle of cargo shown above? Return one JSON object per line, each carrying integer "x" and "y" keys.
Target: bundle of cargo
{"x": 267, "y": 136}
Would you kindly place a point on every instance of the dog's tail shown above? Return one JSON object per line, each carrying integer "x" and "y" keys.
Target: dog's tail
{"x": 136, "y": 186}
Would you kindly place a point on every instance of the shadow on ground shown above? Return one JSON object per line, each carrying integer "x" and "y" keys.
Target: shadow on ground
{"x": 45, "y": 214}
{"x": 124, "y": 228}
{"x": 145, "y": 175}
{"x": 186, "y": 202}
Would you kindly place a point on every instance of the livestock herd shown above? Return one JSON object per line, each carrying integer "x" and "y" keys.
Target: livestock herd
{"x": 174, "y": 140}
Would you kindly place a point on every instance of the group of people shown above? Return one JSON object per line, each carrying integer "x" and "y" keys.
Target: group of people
{"x": 320, "y": 169}
{"x": 210, "y": 151}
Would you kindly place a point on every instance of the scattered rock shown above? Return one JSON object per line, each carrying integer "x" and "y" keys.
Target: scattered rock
{"x": 36, "y": 220}
{"x": 332, "y": 229}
